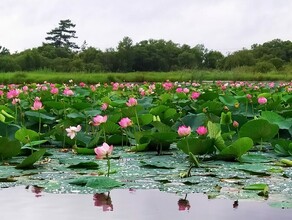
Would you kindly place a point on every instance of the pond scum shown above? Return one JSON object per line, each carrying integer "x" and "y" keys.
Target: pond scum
{"x": 225, "y": 139}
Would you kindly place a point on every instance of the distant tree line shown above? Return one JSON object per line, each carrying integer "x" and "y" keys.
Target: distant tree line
{"x": 59, "y": 53}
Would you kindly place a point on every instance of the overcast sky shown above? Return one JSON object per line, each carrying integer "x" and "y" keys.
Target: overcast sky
{"x": 224, "y": 25}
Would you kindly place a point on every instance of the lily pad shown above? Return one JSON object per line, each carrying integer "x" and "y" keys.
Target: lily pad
{"x": 30, "y": 160}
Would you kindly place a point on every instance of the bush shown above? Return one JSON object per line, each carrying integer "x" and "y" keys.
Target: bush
{"x": 8, "y": 64}
{"x": 264, "y": 67}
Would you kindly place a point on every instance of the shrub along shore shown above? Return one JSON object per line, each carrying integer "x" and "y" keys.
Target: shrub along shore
{"x": 187, "y": 75}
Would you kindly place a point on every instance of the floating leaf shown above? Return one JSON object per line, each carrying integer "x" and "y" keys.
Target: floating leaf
{"x": 84, "y": 165}
{"x": 30, "y": 160}
{"x": 99, "y": 182}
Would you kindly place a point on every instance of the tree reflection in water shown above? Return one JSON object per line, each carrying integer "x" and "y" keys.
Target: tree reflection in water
{"x": 184, "y": 204}
{"x": 103, "y": 200}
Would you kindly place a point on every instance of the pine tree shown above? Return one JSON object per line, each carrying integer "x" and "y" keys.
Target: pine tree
{"x": 61, "y": 36}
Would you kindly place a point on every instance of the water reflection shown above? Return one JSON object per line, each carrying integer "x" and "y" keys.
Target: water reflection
{"x": 36, "y": 190}
{"x": 103, "y": 200}
{"x": 184, "y": 204}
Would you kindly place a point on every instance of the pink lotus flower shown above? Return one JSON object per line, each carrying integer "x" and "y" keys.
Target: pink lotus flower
{"x": 235, "y": 124}
{"x": 103, "y": 151}
{"x": 184, "y": 131}
{"x": 37, "y": 105}
{"x": 186, "y": 90}
{"x": 125, "y": 122}
{"x": 68, "y": 92}
{"x": 1, "y": 93}
{"x": 72, "y": 131}
{"x": 15, "y": 101}
{"x": 99, "y": 119}
{"x": 262, "y": 100}
{"x": 104, "y": 106}
{"x": 179, "y": 90}
{"x": 14, "y": 93}
{"x": 195, "y": 95}
{"x": 202, "y": 130}
{"x": 54, "y": 91}
{"x": 167, "y": 85}
{"x": 132, "y": 102}
{"x": 82, "y": 84}
{"x": 248, "y": 96}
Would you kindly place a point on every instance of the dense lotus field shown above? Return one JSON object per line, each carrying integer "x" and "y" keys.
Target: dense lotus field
{"x": 226, "y": 139}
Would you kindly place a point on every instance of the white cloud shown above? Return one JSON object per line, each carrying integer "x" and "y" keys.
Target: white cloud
{"x": 225, "y": 25}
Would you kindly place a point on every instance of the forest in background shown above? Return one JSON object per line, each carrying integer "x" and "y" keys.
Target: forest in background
{"x": 59, "y": 53}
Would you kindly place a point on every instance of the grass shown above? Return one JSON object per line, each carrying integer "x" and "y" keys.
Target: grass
{"x": 187, "y": 75}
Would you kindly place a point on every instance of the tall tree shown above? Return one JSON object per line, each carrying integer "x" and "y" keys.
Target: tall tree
{"x": 4, "y": 51}
{"x": 62, "y": 35}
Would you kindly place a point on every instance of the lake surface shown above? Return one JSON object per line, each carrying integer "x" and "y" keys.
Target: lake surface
{"x": 30, "y": 203}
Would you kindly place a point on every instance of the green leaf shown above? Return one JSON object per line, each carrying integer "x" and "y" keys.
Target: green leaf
{"x": 30, "y": 160}
{"x": 259, "y": 130}
{"x": 158, "y": 162}
{"x": 275, "y": 118}
{"x": 84, "y": 151}
{"x": 34, "y": 143}
{"x": 9, "y": 148}
{"x": 238, "y": 148}
{"x": 110, "y": 127}
{"x": 99, "y": 182}
{"x": 196, "y": 146}
{"x": 256, "y": 186}
{"x": 76, "y": 115}
{"x": 228, "y": 100}
{"x": 226, "y": 118}
{"x": 84, "y": 165}
{"x": 25, "y": 135}
{"x": 38, "y": 115}
{"x": 145, "y": 119}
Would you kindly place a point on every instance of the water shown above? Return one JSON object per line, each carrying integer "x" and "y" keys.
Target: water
{"x": 119, "y": 204}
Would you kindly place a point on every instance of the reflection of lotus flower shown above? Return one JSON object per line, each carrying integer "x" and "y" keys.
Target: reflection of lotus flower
{"x": 202, "y": 130}
{"x": 103, "y": 151}
{"x": 184, "y": 131}
{"x": 72, "y": 131}
{"x": 104, "y": 201}
{"x": 183, "y": 205}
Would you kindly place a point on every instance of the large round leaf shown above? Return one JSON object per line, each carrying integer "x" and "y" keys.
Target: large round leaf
{"x": 196, "y": 146}
{"x": 259, "y": 130}
{"x": 9, "y": 148}
{"x": 237, "y": 148}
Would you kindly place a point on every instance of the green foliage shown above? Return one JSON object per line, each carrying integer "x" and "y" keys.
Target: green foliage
{"x": 259, "y": 130}
{"x": 264, "y": 67}
{"x": 9, "y": 148}
{"x": 30, "y": 160}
